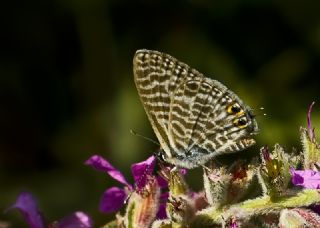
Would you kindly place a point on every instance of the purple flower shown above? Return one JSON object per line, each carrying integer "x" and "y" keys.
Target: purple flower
{"x": 163, "y": 183}
{"x": 233, "y": 223}
{"x": 100, "y": 164}
{"x": 76, "y": 220}
{"x": 271, "y": 163}
{"x": 316, "y": 208}
{"x": 142, "y": 170}
{"x": 310, "y": 128}
{"x": 162, "y": 213}
{"x": 306, "y": 178}
{"x": 266, "y": 154}
{"x": 114, "y": 198}
{"x": 28, "y": 207}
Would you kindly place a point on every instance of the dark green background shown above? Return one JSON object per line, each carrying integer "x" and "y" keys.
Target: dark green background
{"x": 67, "y": 91}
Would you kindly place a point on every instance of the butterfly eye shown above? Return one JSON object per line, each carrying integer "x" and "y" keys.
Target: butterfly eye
{"x": 241, "y": 123}
{"x": 160, "y": 155}
{"x": 234, "y": 109}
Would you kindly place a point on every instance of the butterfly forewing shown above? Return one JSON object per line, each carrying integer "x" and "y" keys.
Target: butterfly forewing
{"x": 157, "y": 75}
{"x": 195, "y": 118}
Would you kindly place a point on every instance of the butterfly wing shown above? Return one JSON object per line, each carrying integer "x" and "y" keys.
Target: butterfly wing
{"x": 228, "y": 129}
{"x": 194, "y": 118}
{"x": 207, "y": 119}
{"x": 157, "y": 75}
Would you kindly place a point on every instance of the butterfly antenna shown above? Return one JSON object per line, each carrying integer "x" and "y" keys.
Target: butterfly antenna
{"x": 144, "y": 137}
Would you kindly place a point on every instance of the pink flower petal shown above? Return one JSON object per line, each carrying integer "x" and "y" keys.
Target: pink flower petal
{"x": 306, "y": 178}
{"x": 112, "y": 200}
{"x": 76, "y": 220}
{"x": 101, "y": 164}
{"x": 28, "y": 207}
{"x": 142, "y": 170}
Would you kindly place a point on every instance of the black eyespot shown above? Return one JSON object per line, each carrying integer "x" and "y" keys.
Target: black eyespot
{"x": 235, "y": 109}
{"x": 242, "y": 122}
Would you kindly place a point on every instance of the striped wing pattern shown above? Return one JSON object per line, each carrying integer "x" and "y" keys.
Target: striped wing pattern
{"x": 195, "y": 118}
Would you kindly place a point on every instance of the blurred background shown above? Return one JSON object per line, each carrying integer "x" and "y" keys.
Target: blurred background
{"x": 67, "y": 90}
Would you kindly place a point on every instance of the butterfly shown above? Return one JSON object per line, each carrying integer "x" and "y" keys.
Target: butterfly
{"x": 195, "y": 118}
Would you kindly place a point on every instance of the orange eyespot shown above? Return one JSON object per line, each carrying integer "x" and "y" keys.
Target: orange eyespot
{"x": 234, "y": 109}
{"x": 241, "y": 123}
